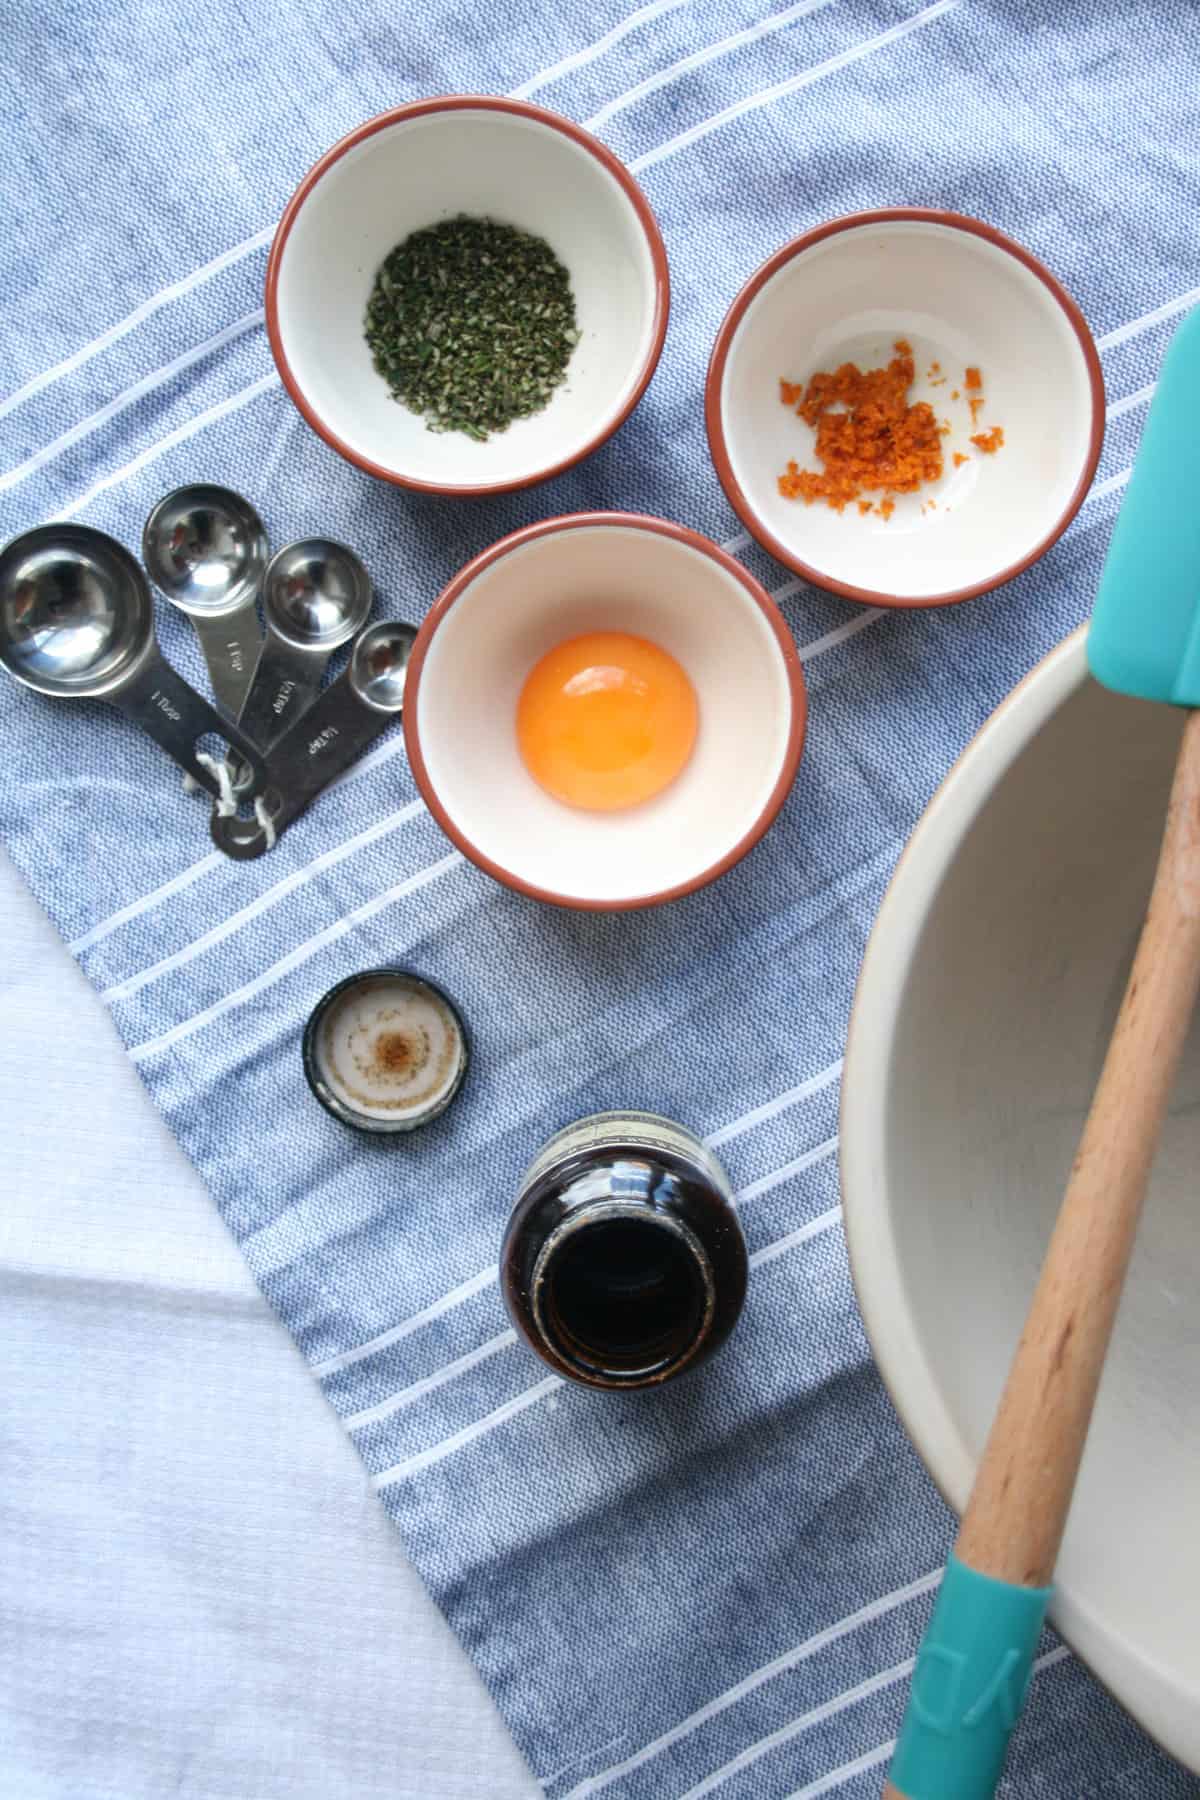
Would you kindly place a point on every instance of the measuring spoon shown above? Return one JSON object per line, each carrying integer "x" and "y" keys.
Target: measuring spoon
{"x": 206, "y": 549}
{"x": 325, "y": 740}
{"x": 77, "y": 622}
{"x": 316, "y": 594}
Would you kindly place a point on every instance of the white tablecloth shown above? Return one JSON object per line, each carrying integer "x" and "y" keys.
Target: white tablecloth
{"x": 198, "y": 1598}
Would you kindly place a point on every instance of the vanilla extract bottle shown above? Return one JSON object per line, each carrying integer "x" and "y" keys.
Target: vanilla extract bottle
{"x": 624, "y": 1263}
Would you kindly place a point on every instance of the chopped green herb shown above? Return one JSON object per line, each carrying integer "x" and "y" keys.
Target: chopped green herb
{"x": 472, "y": 324}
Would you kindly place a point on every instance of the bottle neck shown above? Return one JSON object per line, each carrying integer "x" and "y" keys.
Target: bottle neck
{"x": 622, "y": 1292}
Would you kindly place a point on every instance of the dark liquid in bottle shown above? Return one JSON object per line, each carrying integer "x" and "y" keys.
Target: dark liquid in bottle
{"x": 624, "y": 1262}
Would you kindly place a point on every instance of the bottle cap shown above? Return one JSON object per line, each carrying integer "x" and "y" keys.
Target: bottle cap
{"x": 385, "y": 1051}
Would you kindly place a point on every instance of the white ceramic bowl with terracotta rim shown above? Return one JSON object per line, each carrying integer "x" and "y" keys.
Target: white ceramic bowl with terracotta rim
{"x": 986, "y": 999}
{"x": 604, "y": 572}
{"x": 412, "y": 167}
{"x": 962, "y": 295}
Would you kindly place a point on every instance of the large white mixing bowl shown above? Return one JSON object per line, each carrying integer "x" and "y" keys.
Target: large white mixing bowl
{"x": 988, "y": 992}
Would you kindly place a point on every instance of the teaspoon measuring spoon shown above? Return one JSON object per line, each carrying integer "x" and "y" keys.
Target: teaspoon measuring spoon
{"x": 77, "y": 622}
{"x": 206, "y": 549}
{"x": 316, "y": 595}
{"x": 325, "y": 740}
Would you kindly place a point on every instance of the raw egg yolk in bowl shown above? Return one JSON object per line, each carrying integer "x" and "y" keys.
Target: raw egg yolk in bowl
{"x": 606, "y": 721}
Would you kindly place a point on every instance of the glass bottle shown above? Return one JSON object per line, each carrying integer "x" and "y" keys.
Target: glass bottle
{"x": 624, "y": 1263}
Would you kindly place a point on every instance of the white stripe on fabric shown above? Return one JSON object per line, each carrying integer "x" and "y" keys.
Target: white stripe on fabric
{"x": 1123, "y": 333}
{"x": 840, "y": 633}
{"x": 1129, "y": 401}
{"x": 858, "y": 1765}
{"x": 698, "y": 58}
{"x": 1111, "y": 486}
{"x": 179, "y": 436}
{"x": 371, "y": 1415}
{"x": 792, "y": 85}
{"x": 215, "y": 860}
{"x": 580, "y": 58}
{"x": 391, "y": 746}
{"x": 796, "y": 1167}
{"x": 466, "y": 1290}
{"x": 139, "y": 390}
{"x": 175, "y": 291}
{"x": 829, "y": 1709}
{"x": 871, "y": 1759}
{"x": 769, "y": 1108}
{"x": 122, "y": 990}
{"x": 425, "y": 1459}
{"x": 875, "y": 1609}
{"x": 176, "y": 885}
{"x": 741, "y": 540}
{"x": 345, "y": 1359}
{"x": 296, "y": 958}
{"x": 815, "y": 1228}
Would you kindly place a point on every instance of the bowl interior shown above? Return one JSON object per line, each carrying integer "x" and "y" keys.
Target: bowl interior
{"x": 414, "y": 173}
{"x": 960, "y": 301}
{"x": 557, "y": 586}
{"x": 980, "y": 1054}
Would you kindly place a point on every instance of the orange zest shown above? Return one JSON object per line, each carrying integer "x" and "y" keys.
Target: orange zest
{"x": 989, "y": 441}
{"x": 874, "y": 442}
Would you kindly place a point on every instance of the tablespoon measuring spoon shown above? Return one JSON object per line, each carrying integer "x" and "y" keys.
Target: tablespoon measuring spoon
{"x": 323, "y": 742}
{"x": 316, "y": 595}
{"x": 77, "y": 622}
{"x": 206, "y": 549}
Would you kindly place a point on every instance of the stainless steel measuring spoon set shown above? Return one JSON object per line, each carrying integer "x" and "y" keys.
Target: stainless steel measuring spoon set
{"x": 77, "y": 622}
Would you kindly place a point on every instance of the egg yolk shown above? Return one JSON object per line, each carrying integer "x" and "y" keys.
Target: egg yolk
{"x": 606, "y": 721}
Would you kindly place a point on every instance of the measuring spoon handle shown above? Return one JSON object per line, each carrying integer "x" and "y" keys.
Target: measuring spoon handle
{"x": 175, "y": 715}
{"x": 283, "y": 683}
{"x": 232, "y": 644}
{"x": 318, "y": 747}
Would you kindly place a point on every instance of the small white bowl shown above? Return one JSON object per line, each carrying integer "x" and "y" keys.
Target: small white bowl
{"x": 963, "y": 296}
{"x": 984, "y": 1007}
{"x": 604, "y": 572}
{"x": 487, "y": 157}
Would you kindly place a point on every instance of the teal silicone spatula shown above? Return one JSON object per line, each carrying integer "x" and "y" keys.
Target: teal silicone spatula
{"x": 974, "y": 1665}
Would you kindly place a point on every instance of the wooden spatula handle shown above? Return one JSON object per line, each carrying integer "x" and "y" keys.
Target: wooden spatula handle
{"x": 1018, "y": 1507}
{"x": 1014, "y": 1520}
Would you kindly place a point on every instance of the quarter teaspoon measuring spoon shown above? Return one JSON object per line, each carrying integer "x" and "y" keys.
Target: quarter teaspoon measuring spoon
{"x": 323, "y": 742}
{"x": 77, "y": 622}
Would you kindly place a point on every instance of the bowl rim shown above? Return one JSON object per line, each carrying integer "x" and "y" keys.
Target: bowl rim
{"x": 679, "y": 534}
{"x": 464, "y": 103}
{"x": 1147, "y": 1690}
{"x": 715, "y": 424}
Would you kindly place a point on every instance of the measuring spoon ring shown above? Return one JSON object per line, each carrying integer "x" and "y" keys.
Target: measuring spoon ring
{"x": 325, "y": 740}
